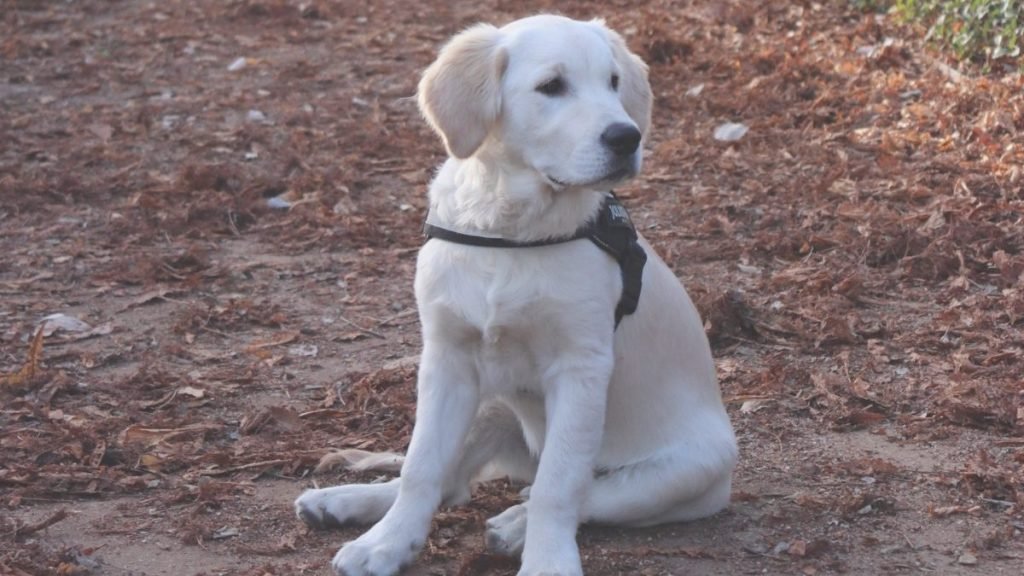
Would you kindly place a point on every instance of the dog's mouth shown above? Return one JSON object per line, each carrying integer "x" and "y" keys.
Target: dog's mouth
{"x": 619, "y": 175}
{"x": 612, "y": 177}
{"x": 555, "y": 182}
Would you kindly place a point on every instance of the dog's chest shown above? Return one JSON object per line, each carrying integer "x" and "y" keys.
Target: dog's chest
{"x": 515, "y": 310}
{"x": 506, "y": 298}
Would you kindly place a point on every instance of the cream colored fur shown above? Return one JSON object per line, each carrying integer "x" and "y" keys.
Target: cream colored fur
{"x": 522, "y": 371}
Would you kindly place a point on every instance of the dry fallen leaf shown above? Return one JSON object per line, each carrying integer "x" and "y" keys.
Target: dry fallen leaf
{"x": 942, "y": 511}
{"x": 275, "y": 340}
{"x": 150, "y": 296}
{"x": 28, "y": 371}
{"x": 151, "y": 461}
{"x": 191, "y": 391}
{"x": 285, "y": 418}
{"x": 304, "y": 350}
{"x": 60, "y": 321}
{"x": 138, "y": 434}
{"x": 102, "y": 131}
{"x": 752, "y": 406}
{"x": 196, "y": 393}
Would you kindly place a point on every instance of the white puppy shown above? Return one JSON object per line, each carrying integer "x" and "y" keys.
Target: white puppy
{"x": 524, "y": 372}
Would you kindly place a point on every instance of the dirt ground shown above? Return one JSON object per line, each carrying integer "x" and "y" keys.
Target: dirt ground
{"x": 227, "y": 197}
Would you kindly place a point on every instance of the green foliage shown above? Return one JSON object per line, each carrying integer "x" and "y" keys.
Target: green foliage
{"x": 974, "y": 29}
{"x": 871, "y": 5}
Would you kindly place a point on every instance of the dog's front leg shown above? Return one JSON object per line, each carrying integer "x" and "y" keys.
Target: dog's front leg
{"x": 575, "y": 399}
{"x": 447, "y": 400}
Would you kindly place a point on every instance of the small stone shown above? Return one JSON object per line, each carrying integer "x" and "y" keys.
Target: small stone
{"x": 730, "y": 132}
{"x": 967, "y": 559}
{"x": 225, "y": 532}
{"x": 279, "y": 203}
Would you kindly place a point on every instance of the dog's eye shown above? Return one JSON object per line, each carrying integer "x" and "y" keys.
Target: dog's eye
{"x": 615, "y": 82}
{"x": 554, "y": 87}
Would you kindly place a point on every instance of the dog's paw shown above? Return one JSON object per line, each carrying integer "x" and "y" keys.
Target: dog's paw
{"x": 506, "y": 532}
{"x": 552, "y": 552}
{"x": 375, "y": 555}
{"x": 343, "y": 505}
{"x": 555, "y": 565}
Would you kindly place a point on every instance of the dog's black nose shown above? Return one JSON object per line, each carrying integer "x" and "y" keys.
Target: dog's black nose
{"x": 621, "y": 138}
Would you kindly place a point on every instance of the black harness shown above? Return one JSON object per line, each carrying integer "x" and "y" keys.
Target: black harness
{"x": 612, "y": 231}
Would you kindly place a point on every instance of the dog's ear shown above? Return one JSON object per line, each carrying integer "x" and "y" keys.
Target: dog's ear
{"x": 634, "y": 88}
{"x": 460, "y": 93}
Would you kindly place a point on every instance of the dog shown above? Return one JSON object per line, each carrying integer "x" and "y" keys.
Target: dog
{"x": 526, "y": 370}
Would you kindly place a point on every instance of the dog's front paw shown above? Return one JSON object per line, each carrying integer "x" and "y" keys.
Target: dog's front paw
{"x": 506, "y": 532}
{"x": 552, "y": 568}
{"x": 553, "y": 555}
{"x": 551, "y": 571}
{"x": 373, "y": 555}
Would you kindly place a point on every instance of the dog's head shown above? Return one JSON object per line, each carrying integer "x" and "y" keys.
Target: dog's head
{"x": 560, "y": 97}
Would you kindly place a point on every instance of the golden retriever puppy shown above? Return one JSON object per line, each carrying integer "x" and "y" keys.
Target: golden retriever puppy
{"x": 538, "y": 360}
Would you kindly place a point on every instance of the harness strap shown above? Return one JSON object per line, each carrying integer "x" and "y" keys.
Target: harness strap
{"x": 432, "y": 231}
{"x": 612, "y": 231}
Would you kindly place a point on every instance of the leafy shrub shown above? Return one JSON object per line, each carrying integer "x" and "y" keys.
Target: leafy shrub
{"x": 974, "y": 29}
{"x": 872, "y": 5}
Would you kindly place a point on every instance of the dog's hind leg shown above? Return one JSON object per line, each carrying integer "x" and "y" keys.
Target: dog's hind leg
{"x": 494, "y": 446}
{"x": 690, "y": 482}
{"x": 351, "y": 503}
{"x": 348, "y": 504}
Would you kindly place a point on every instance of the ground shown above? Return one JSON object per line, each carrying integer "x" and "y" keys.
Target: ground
{"x": 228, "y": 194}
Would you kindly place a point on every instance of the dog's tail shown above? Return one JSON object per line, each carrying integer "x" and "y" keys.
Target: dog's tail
{"x": 360, "y": 460}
